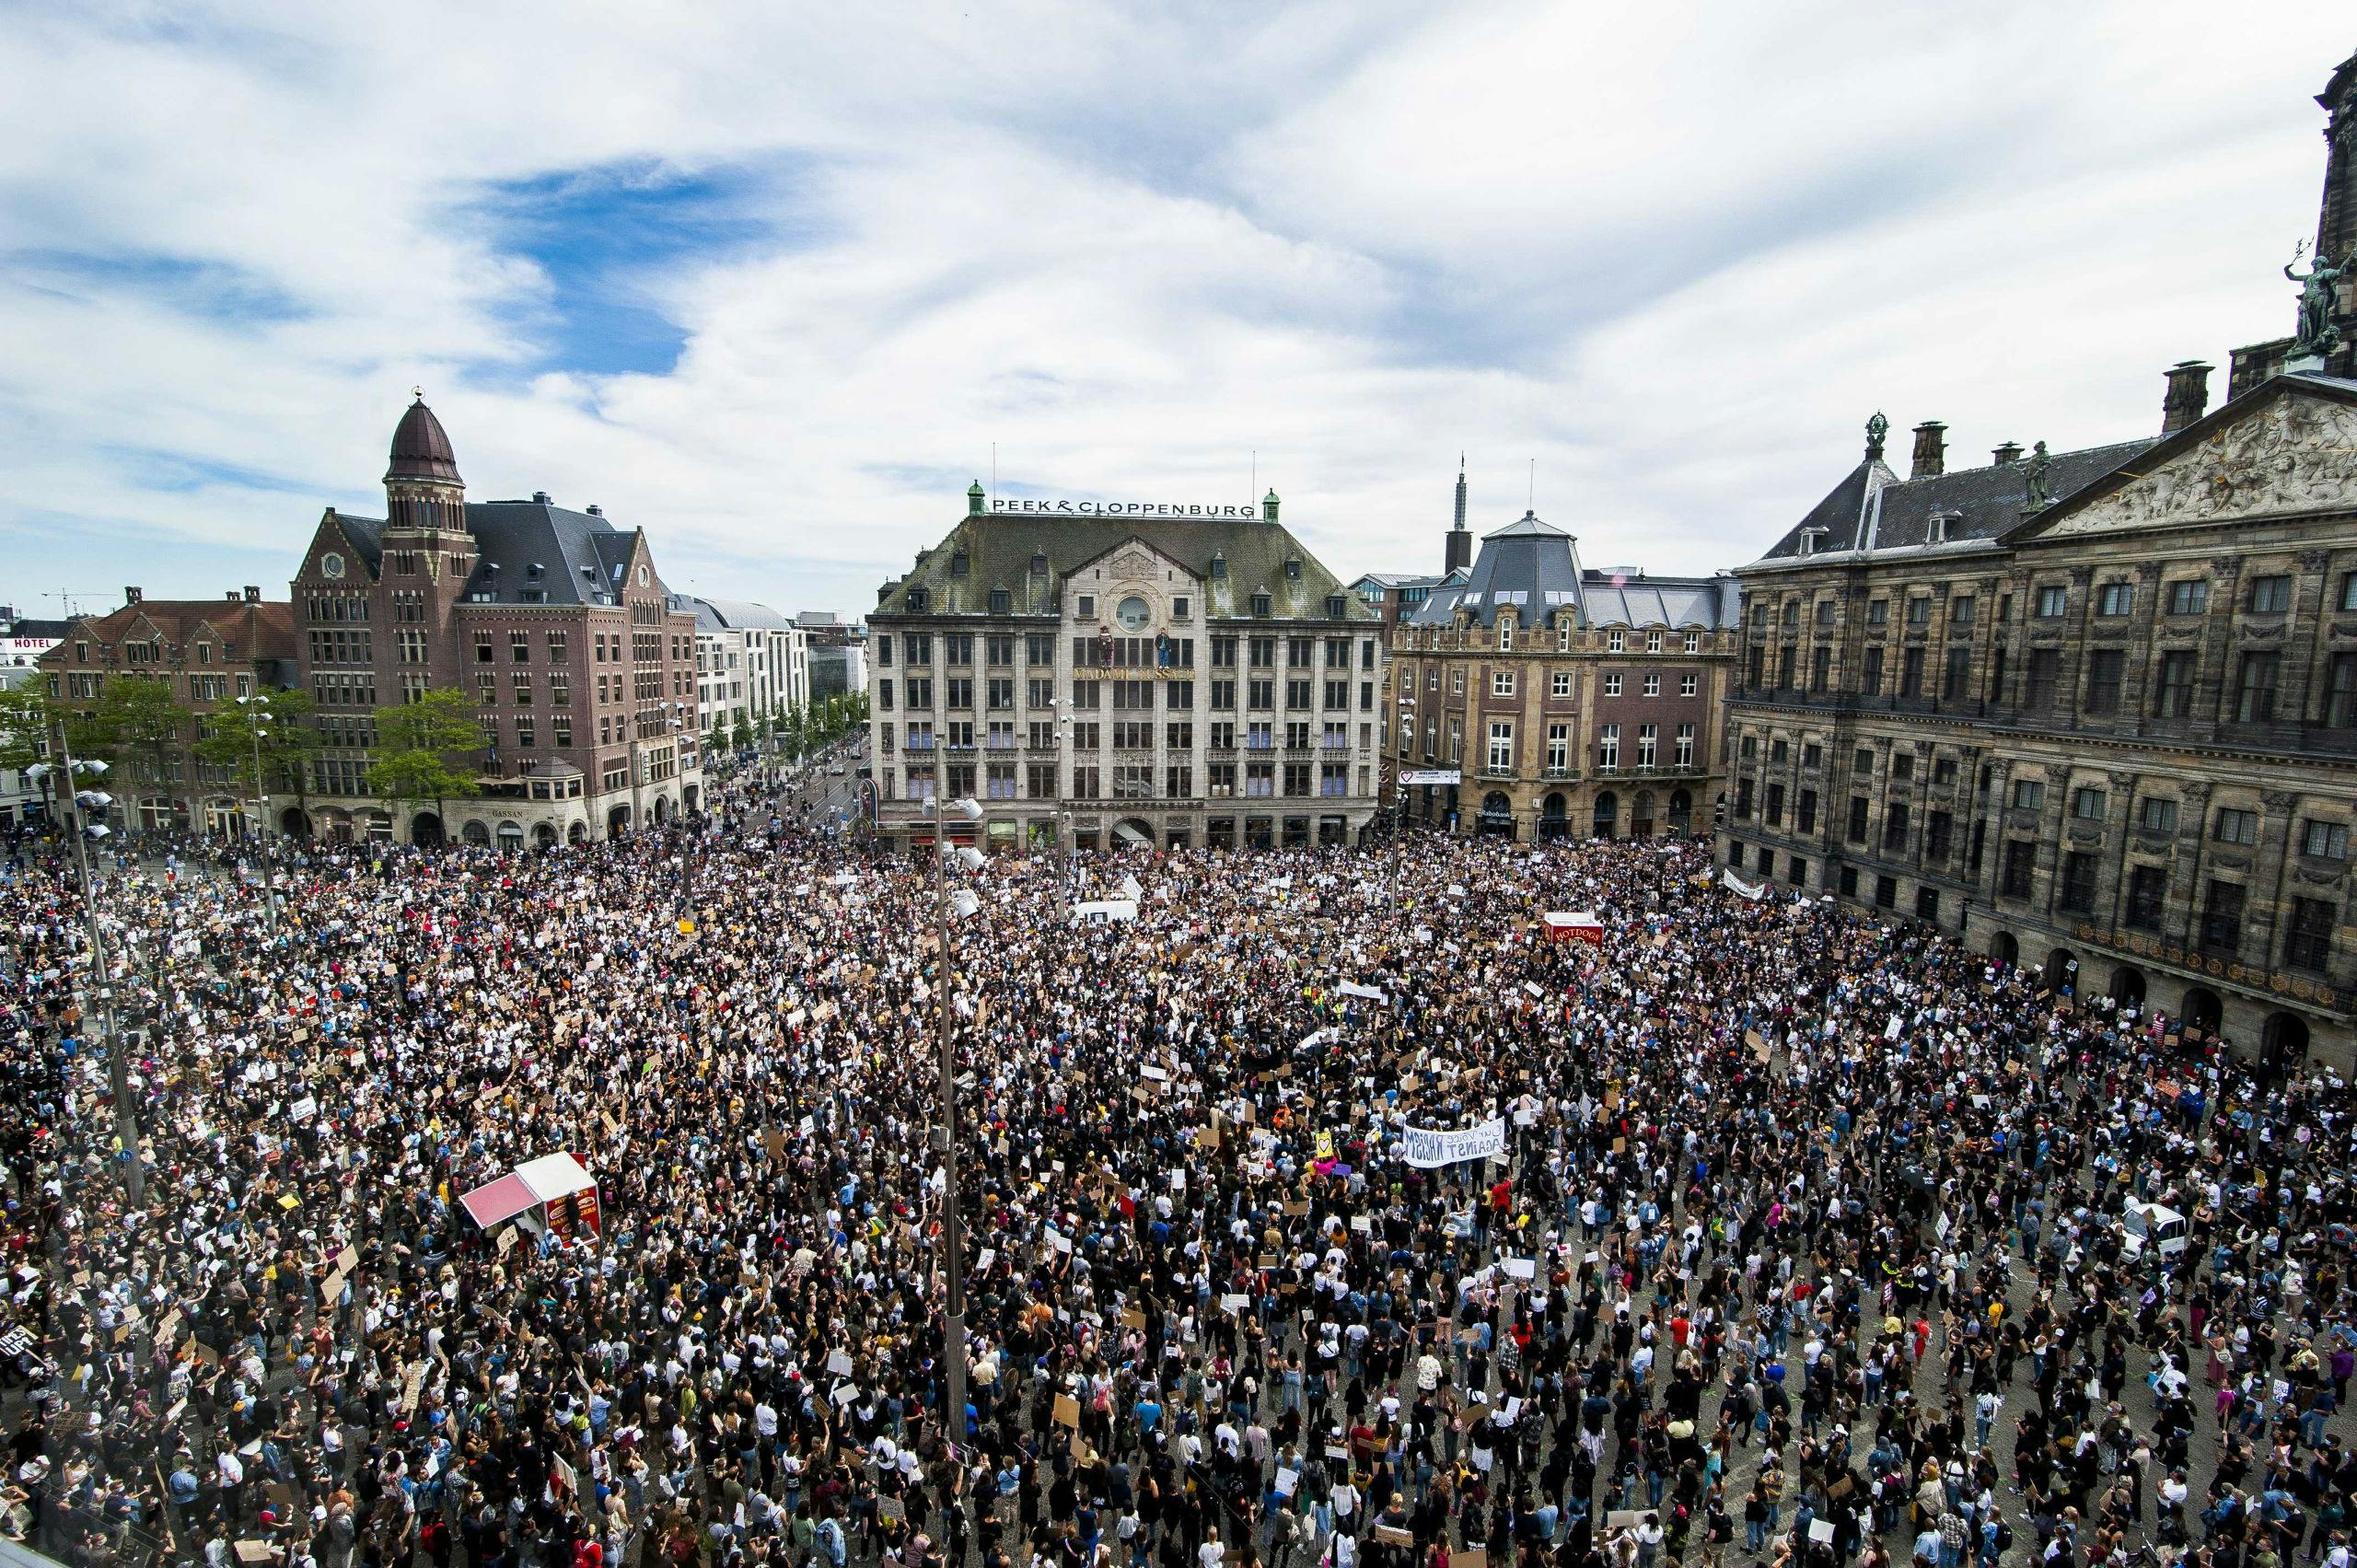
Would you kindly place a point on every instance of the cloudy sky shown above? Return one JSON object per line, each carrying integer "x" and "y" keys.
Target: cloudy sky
{"x": 771, "y": 279}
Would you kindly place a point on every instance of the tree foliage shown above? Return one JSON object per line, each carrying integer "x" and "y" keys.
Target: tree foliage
{"x": 425, "y": 750}
{"x": 281, "y": 732}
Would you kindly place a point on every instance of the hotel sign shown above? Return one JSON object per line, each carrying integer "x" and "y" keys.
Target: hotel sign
{"x": 1120, "y": 509}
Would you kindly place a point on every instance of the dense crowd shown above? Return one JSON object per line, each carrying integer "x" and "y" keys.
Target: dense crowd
{"x": 1805, "y": 1245}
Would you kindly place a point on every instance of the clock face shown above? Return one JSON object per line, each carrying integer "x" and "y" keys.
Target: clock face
{"x": 1133, "y": 614}
{"x": 331, "y": 566}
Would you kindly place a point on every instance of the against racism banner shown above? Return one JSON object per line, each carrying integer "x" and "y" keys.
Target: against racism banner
{"x": 1428, "y": 1147}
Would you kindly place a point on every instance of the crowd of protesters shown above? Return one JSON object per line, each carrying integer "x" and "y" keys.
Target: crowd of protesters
{"x": 1807, "y": 1243}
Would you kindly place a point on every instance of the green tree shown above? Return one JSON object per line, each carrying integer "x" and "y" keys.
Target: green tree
{"x": 281, "y": 732}
{"x": 136, "y": 719}
{"x": 26, "y": 713}
{"x": 740, "y": 735}
{"x": 425, "y": 750}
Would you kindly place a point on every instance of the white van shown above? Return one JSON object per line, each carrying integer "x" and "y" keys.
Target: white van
{"x": 2150, "y": 1228}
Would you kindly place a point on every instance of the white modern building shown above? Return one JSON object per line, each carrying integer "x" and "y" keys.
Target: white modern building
{"x": 751, "y": 661}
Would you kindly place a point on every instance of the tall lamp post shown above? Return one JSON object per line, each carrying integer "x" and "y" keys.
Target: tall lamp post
{"x": 950, "y": 906}
{"x": 257, "y": 730}
{"x": 126, "y": 1115}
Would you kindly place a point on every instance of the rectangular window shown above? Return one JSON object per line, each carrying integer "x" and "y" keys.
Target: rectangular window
{"x": 2078, "y": 890}
{"x": 2104, "y": 669}
{"x": 2156, "y": 814}
{"x": 1772, "y": 811}
{"x": 2190, "y": 596}
{"x": 1607, "y": 746}
{"x": 2235, "y": 826}
{"x": 2044, "y": 681}
{"x": 1559, "y": 747}
{"x": 2013, "y": 877}
{"x": 1688, "y": 685}
{"x": 2029, "y": 795}
{"x": 2114, "y": 599}
{"x": 1559, "y": 684}
{"x": 1919, "y": 610}
{"x": 2348, "y": 599}
{"x": 1500, "y": 747}
{"x": 2173, "y": 692}
{"x": 2307, "y": 935}
{"x": 1910, "y": 671}
{"x": 1960, "y": 611}
{"x": 1939, "y": 831}
{"x": 2053, "y": 600}
{"x": 1878, "y": 613}
{"x": 1648, "y": 744}
{"x": 2255, "y": 688}
{"x": 2341, "y": 691}
{"x": 2148, "y": 888}
{"x": 1804, "y": 813}
{"x": 1684, "y": 741}
{"x": 1871, "y": 682}
{"x": 2221, "y": 918}
{"x": 2270, "y": 596}
{"x": 2325, "y": 840}
{"x": 1612, "y": 686}
{"x": 1859, "y": 807}
{"x": 2087, "y": 804}
{"x": 1955, "y": 680}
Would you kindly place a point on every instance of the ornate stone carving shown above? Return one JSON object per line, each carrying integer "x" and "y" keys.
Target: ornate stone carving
{"x": 2297, "y": 454}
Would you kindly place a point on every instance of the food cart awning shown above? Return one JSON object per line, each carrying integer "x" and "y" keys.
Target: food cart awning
{"x": 1565, "y": 925}
{"x": 527, "y": 1186}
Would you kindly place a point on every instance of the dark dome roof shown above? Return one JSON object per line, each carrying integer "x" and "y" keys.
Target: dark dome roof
{"x": 422, "y": 447}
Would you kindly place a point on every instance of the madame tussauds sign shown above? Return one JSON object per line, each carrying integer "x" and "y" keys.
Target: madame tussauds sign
{"x": 1122, "y": 510}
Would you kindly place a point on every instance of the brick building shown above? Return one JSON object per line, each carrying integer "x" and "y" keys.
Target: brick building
{"x": 209, "y": 652}
{"x": 1534, "y": 697}
{"x": 581, "y": 663}
{"x": 1158, "y": 676}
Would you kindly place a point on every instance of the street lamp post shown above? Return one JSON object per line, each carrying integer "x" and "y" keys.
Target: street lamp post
{"x": 259, "y": 705}
{"x": 126, "y": 1114}
{"x": 945, "y": 907}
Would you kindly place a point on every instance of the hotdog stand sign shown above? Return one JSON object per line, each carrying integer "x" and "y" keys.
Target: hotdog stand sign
{"x": 555, "y": 1193}
{"x": 1574, "y": 925}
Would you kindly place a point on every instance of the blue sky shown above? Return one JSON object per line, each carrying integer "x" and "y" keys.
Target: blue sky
{"x": 771, "y": 282}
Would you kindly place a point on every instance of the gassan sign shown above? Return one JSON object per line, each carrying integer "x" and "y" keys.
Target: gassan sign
{"x": 1121, "y": 509}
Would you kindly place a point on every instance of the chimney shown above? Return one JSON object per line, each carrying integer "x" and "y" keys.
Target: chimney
{"x": 132, "y": 595}
{"x": 2010, "y": 452}
{"x": 1930, "y": 450}
{"x": 2187, "y": 396}
{"x": 596, "y": 510}
{"x": 253, "y": 594}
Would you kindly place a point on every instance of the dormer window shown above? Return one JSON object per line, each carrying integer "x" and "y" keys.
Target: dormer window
{"x": 958, "y": 563}
{"x": 1293, "y": 568}
{"x": 1219, "y": 566}
{"x": 1039, "y": 563}
{"x": 919, "y": 600}
{"x": 1809, "y": 541}
{"x": 1337, "y": 607}
{"x": 1260, "y": 601}
{"x": 1939, "y": 523}
{"x": 1563, "y": 633}
{"x": 999, "y": 601}
{"x": 1505, "y": 634}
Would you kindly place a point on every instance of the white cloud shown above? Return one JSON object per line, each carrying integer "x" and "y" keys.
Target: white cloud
{"x": 1676, "y": 255}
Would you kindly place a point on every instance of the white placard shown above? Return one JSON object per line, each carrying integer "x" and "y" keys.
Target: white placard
{"x": 1428, "y": 1147}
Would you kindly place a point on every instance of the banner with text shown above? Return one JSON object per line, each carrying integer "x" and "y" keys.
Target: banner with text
{"x": 1428, "y": 1147}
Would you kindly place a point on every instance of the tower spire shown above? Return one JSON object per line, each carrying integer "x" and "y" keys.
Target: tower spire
{"x": 1458, "y": 550}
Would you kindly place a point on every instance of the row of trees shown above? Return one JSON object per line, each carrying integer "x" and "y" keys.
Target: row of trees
{"x": 423, "y": 749}
{"x": 796, "y": 729}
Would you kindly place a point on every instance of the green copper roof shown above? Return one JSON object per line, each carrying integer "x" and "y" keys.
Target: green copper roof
{"x": 1001, "y": 551}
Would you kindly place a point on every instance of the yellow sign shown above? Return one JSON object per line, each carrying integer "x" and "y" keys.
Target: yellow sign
{"x": 686, "y": 927}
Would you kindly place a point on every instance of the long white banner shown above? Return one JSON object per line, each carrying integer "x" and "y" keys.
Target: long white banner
{"x": 1430, "y": 1146}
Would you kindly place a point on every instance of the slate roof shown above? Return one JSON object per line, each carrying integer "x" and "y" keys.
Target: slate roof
{"x": 1534, "y": 566}
{"x": 1874, "y": 510}
{"x": 1000, "y": 549}
{"x": 579, "y": 556}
